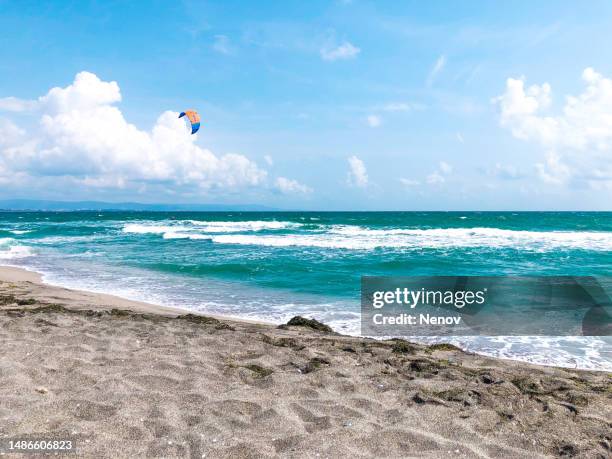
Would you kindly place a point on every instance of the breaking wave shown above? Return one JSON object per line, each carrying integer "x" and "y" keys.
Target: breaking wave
{"x": 10, "y": 250}
{"x": 354, "y": 237}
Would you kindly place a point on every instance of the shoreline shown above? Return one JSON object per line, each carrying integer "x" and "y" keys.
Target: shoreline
{"x": 129, "y": 379}
{"x": 20, "y": 273}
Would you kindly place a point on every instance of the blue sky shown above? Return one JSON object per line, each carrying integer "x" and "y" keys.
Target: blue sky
{"x": 310, "y": 105}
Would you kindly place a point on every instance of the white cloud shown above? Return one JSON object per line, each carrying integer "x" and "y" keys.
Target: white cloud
{"x": 268, "y": 159}
{"x": 82, "y": 136}
{"x": 86, "y": 92}
{"x": 506, "y": 172}
{"x": 409, "y": 182}
{"x": 344, "y": 51}
{"x": 288, "y": 186}
{"x": 397, "y": 107}
{"x": 585, "y": 121}
{"x": 460, "y": 138}
{"x": 222, "y": 44}
{"x": 358, "y": 174}
{"x": 519, "y": 108}
{"x": 445, "y": 168}
{"x": 581, "y": 133}
{"x": 438, "y": 176}
{"x": 436, "y": 69}
{"x": 435, "y": 178}
{"x": 553, "y": 170}
{"x": 400, "y": 107}
{"x": 13, "y": 104}
{"x": 373, "y": 121}
{"x": 10, "y": 133}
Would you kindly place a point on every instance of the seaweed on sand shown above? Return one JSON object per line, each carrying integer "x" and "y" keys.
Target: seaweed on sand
{"x": 299, "y": 321}
{"x": 260, "y": 372}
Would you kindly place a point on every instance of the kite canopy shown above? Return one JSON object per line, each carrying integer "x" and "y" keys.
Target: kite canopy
{"x": 194, "y": 119}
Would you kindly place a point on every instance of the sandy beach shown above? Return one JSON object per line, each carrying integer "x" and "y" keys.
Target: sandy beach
{"x": 129, "y": 379}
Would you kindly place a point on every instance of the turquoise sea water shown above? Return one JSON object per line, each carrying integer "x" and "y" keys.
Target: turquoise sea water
{"x": 274, "y": 265}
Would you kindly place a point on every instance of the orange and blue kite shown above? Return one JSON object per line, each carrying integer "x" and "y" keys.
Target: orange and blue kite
{"x": 194, "y": 119}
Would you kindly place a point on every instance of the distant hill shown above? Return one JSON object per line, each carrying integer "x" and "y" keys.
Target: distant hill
{"x": 33, "y": 204}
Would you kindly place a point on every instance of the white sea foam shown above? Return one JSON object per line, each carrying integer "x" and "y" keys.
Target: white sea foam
{"x": 585, "y": 352}
{"x": 355, "y": 237}
{"x": 202, "y": 230}
{"x": 360, "y": 238}
{"x": 71, "y": 239}
{"x": 306, "y": 240}
{"x": 147, "y": 229}
{"x": 10, "y": 250}
{"x": 240, "y": 226}
{"x": 195, "y": 229}
{"x": 180, "y": 235}
{"x": 20, "y": 231}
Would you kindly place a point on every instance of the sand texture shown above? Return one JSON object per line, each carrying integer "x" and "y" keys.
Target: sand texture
{"x": 128, "y": 379}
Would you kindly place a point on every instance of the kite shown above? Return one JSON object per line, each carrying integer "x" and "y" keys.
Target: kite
{"x": 194, "y": 119}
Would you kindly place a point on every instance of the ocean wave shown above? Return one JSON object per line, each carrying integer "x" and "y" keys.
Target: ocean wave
{"x": 355, "y": 237}
{"x": 70, "y": 239}
{"x": 305, "y": 240}
{"x": 10, "y": 250}
{"x": 18, "y": 232}
{"x": 199, "y": 227}
{"x": 6, "y": 241}
{"x": 179, "y": 235}
{"x": 240, "y": 226}
{"x": 138, "y": 228}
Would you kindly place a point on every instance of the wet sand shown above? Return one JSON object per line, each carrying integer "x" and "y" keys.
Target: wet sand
{"x": 129, "y": 379}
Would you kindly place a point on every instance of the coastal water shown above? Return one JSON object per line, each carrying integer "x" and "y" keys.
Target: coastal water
{"x": 274, "y": 265}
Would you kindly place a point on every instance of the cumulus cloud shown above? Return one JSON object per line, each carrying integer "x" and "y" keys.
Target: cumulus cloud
{"x": 10, "y": 133}
{"x": 553, "y": 170}
{"x": 83, "y": 136}
{"x": 577, "y": 139}
{"x": 344, "y": 51}
{"x": 358, "y": 174}
{"x": 373, "y": 121}
{"x": 13, "y": 104}
{"x": 288, "y": 186}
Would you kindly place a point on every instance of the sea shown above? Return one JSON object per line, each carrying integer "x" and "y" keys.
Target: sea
{"x": 271, "y": 266}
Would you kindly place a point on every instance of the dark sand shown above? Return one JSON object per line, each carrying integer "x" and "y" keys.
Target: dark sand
{"x": 140, "y": 382}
